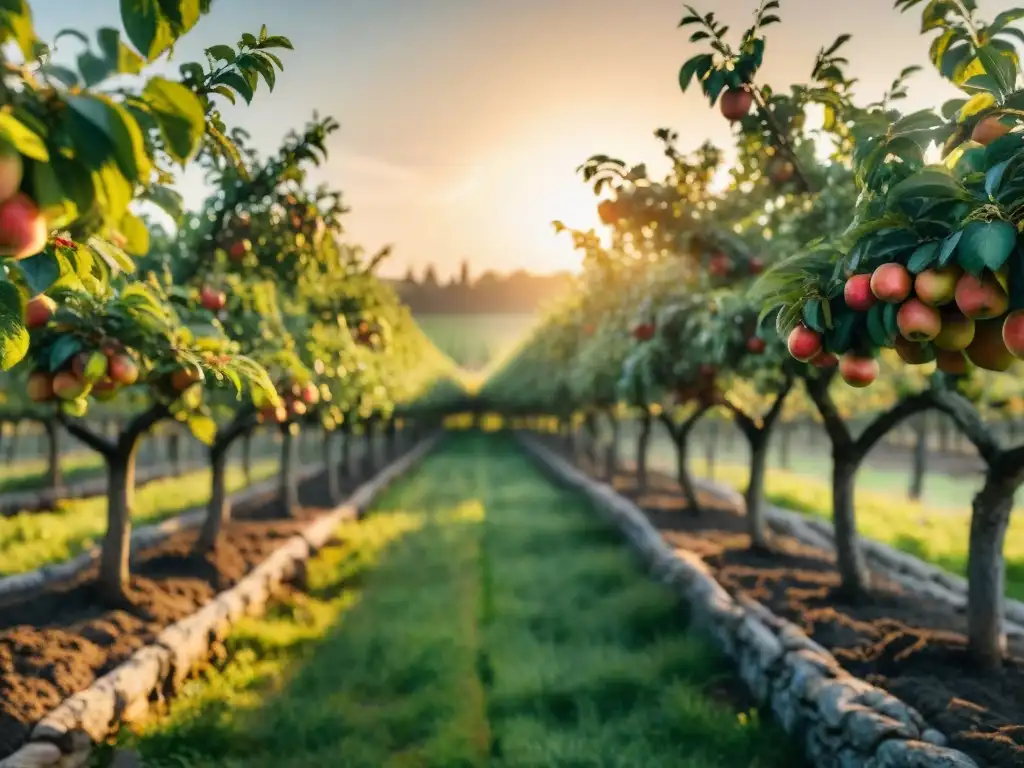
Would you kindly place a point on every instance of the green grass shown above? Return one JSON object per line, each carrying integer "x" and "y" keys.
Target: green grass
{"x": 29, "y": 474}
{"x": 30, "y": 540}
{"x": 479, "y": 616}
{"x": 475, "y": 341}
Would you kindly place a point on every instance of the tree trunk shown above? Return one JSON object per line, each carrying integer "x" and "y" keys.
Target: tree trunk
{"x": 247, "y": 457}
{"x": 590, "y": 440}
{"x": 853, "y": 571}
{"x": 174, "y": 452}
{"x": 114, "y": 556}
{"x": 986, "y": 570}
{"x": 920, "y": 462}
{"x": 642, "y": 443}
{"x": 757, "y": 525}
{"x": 218, "y": 511}
{"x": 612, "y": 459}
{"x": 369, "y": 459}
{"x": 711, "y": 447}
{"x": 684, "y": 479}
{"x": 331, "y": 466}
{"x": 390, "y": 441}
{"x": 54, "y": 480}
{"x": 289, "y": 491}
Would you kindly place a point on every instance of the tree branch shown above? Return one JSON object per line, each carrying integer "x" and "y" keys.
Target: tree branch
{"x": 884, "y": 422}
{"x": 142, "y": 423}
{"x": 780, "y": 401}
{"x": 969, "y": 422}
{"x": 102, "y": 445}
{"x": 243, "y": 421}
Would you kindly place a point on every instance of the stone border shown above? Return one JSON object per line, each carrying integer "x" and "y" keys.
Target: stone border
{"x": 23, "y": 586}
{"x": 841, "y": 721}
{"x": 910, "y": 572}
{"x": 65, "y": 737}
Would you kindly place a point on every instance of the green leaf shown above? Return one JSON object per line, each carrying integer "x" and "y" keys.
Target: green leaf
{"x": 999, "y": 67}
{"x": 124, "y": 59}
{"x": 167, "y": 199}
{"x": 180, "y": 115}
{"x": 1015, "y": 280}
{"x": 876, "y": 326}
{"x": 203, "y": 428}
{"x": 122, "y": 133}
{"x": 931, "y": 182}
{"x": 842, "y": 335}
{"x": 948, "y": 248}
{"x": 147, "y": 28}
{"x": 18, "y": 135}
{"x": 986, "y": 244}
{"x": 239, "y": 83}
{"x": 40, "y": 271}
{"x": 223, "y": 53}
{"x": 813, "y": 315}
{"x": 115, "y": 258}
{"x": 277, "y": 41}
{"x": 892, "y": 329}
{"x": 923, "y": 257}
{"x": 994, "y": 177}
{"x": 979, "y": 102}
{"x": 50, "y": 196}
{"x": 14, "y": 338}
{"x": 136, "y": 234}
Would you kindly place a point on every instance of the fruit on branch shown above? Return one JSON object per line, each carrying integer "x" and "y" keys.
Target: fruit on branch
{"x": 40, "y": 387}
{"x": 12, "y": 169}
{"x": 105, "y": 389}
{"x": 987, "y": 350}
{"x": 988, "y": 129}
{"x": 780, "y": 170}
{"x": 981, "y": 299}
{"x": 89, "y": 366}
{"x": 1013, "y": 333}
{"x": 736, "y": 103}
{"x": 858, "y": 370}
{"x": 957, "y": 331}
{"x": 643, "y": 331}
{"x": 272, "y": 414}
{"x": 804, "y": 344}
{"x": 756, "y": 266}
{"x": 310, "y": 394}
{"x": 296, "y": 407}
{"x": 212, "y": 299}
{"x": 917, "y": 321}
{"x": 22, "y": 227}
{"x": 185, "y": 377}
{"x": 708, "y": 371}
{"x": 824, "y": 360}
{"x": 68, "y": 385}
{"x": 756, "y": 346}
{"x": 238, "y": 249}
{"x": 720, "y": 265}
{"x": 951, "y": 361}
{"x": 38, "y": 311}
{"x": 912, "y": 352}
{"x": 606, "y": 211}
{"x": 937, "y": 287}
{"x": 857, "y": 293}
{"x": 891, "y": 283}
{"x": 121, "y": 368}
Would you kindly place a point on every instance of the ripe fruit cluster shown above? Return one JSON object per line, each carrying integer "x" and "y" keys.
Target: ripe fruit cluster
{"x": 296, "y": 400}
{"x": 100, "y": 373}
{"x": 944, "y": 315}
{"x": 23, "y": 230}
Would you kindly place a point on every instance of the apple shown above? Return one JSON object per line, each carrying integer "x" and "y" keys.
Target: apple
{"x": 40, "y": 387}
{"x": 858, "y": 370}
{"x": 22, "y": 227}
{"x": 913, "y": 353}
{"x": 780, "y": 170}
{"x": 67, "y": 385}
{"x": 185, "y": 377}
{"x": 121, "y": 368}
{"x": 803, "y": 343}
{"x": 824, "y": 360}
{"x": 297, "y": 407}
{"x": 89, "y": 365}
{"x": 891, "y": 283}
{"x": 238, "y": 250}
{"x": 981, "y": 299}
{"x": 212, "y": 299}
{"x": 38, "y": 311}
{"x": 720, "y": 265}
{"x": 756, "y": 346}
{"x": 756, "y": 266}
{"x": 937, "y": 287}
{"x": 917, "y": 321}
{"x": 1013, "y": 333}
{"x": 606, "y": 212}
{"x": 987, "y": 350}
{"x": 12, "y": 169}
{"x": 951, "y": 361}
{"x": 708, "y": 371}
{"x": 736, "y": 103}
{"x": 643, "y": 331}
{"x": 857, "y": 293}
{"x": 310, "y": 394}
{"x": 988, "y": 129}
{"x": 957, "y": 331}
{"x": 104, "y": 389}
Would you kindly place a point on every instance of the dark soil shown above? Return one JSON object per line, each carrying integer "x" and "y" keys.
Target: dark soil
{"x": 55, "y": 645}
{"x": 910, "y": 645}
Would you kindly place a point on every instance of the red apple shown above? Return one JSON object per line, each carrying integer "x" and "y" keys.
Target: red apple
{"x": 988, "y": 129}
{"x": 39, "y": 311}
{"x": 756, "y": 346}
{"x": 643, "y": 331}
{"x": 780, "y": 171}
{"x": 891, "y": 283}
{"x": 957, "y": 331}
{"x": 857, "y": 293}
{"x": 238, "y": 250}
{"x": 720, "y": 265}
{"x": 22, "y": 228}
{"x": 122, "y": 369}
{"x": 185, "y": 377}
{"x": 913, "y": 353}
{"x": 1013, "y": 333}
{"x": 104, "y": 389}
{"x": 824, "y": 360}
{"x": 951, "y": 361}
{"x": 736, "y": 103}
{"x": 311, "y": 394}
{"x": 68, "y": 386}
{"x": 917, "y": 321}
{"x": 212, "y": 299}
{"x": 937, "y": 286}
{"x": 803, "y": 343}
{"x": 987, "y": 350}
{"x": 40, "y": 387}
{"x": 858, "y": 370}
{"x": 756, "y": 266}
{"x": 981, "y": 299}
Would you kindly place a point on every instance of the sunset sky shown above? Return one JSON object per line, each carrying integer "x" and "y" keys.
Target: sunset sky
{"x": 462, "y": 121}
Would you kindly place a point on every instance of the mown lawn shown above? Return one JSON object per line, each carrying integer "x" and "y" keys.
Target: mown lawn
{"x": 479, "y": 616}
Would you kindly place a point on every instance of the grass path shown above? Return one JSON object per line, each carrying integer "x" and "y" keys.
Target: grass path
{"x": 478, "y": 617}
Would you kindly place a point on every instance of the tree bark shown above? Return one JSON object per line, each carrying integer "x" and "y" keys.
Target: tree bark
{"x": 116, "y": 550}
{"x": 591, "y": 443}
{"x": 369, "y": 457}
{"x": 711, "y": 447}
{"x": 289, "y": 491}
{"x": 219, "y": 509}
{"x": 757, "y": 525}
{"x": 390, "y": 440}
{"x": 247, "y": 456}
{"x": 684, "y": 478}
{"x": 919, "y": 466}
{"x": 642, "y": 444}
{"x": 54, "y": 479}
{"x": 331, "y": 466}
{"x": 611, "y": 467}
{"x": 849, "y": 557}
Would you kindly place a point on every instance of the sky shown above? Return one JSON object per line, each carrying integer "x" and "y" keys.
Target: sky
{"x": 463, "y": 121}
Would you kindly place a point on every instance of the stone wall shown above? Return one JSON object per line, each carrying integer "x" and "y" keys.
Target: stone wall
{"x": 65, "y": 737}
{"x": 841, "y": 721}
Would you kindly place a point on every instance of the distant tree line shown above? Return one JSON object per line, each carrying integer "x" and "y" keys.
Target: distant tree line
{"x": 518, "y": 292}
